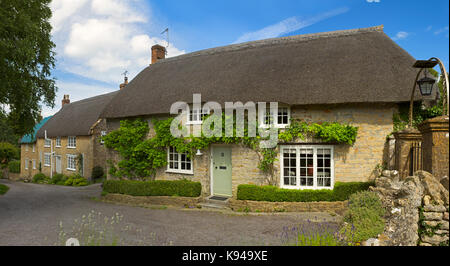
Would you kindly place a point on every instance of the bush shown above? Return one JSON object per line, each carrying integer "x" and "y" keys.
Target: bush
{"x": 14, "y": 167}
{"x": 3, "y": 189}
{"x": 76, "y": 180}
{"x": 97, "y": 172}
{"x": 40, "y": 178}
{"x": 364, "y": 218}
{"x": 184, "y": 188}
{"x": 8, "y": 152}
{"x": 58, "y": 179}
{"x": 341, "y": 192}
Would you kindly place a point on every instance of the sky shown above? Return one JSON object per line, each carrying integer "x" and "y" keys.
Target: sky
{"x": 97, "y": 40}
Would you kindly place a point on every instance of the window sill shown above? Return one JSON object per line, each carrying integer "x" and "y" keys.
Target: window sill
{"x": 57, "y": 146}
{"x": 70, "y": 169}
{"x": 46, "y": 146}
{"x": 71, "y": 147}
{"x": 46, "y": 165}
{"x": 194, "y": 122}
{"x": 179, "y": 172}
{"x": 305, "y": 188}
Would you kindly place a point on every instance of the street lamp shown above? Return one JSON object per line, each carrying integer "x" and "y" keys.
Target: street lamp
{"x": 426, "y": 83}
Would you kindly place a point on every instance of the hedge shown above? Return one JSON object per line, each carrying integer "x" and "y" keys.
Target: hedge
{"x": 3, "y": 189}
{"x": 14, "y": 167}
{"x": 341, "y": 192}
{"x": 182, "y": 188}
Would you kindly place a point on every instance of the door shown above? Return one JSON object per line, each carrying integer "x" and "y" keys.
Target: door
{"x": 58, "y": 164}
{"x": 221, "y": 166}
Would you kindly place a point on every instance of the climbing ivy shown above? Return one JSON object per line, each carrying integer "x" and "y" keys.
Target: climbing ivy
{"x": 143, "y": 155}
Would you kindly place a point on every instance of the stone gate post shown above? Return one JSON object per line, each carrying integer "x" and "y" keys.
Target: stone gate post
{"x": 403, "y": 142}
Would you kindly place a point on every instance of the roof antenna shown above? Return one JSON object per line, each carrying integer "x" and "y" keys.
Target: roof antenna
{"x": 166, "y": 31}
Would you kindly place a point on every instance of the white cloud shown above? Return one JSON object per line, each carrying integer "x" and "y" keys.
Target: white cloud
{"x": 288, "y": 25}
{"x": 441, "y": 30}
{"x": 429, "y": 28}
{"x": 99, "y": 39}
{"x": 401, "y": 35}
{"x": 373, "y": 1}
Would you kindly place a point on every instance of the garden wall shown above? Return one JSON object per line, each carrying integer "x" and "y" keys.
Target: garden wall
{"x": 152, "y": 200}
{"x": 338, "y": 207}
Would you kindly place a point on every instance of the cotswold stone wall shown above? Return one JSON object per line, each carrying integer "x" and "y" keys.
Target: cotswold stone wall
{"x": 338, "y": 207}
{"x": 417, "y": 210}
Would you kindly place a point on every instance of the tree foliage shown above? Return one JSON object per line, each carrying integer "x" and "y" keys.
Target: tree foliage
{"x": 26, "y": 61}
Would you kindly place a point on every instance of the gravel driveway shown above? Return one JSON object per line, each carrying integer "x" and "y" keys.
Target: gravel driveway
{"x": 30, "y": 214}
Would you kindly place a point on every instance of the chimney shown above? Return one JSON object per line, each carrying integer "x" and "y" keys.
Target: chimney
{"x": 65, "y": 100}
{"x": 125, "y": 82}
{"x": 158, "y": 52}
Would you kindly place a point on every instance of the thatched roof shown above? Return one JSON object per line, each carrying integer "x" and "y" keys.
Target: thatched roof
{"x": 77, "y": 118}
{"x": 350, "y": 66}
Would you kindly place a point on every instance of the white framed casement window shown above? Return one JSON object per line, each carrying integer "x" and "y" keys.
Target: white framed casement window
{"x": 307, "y": 166}
{"x": 47, "y": 143}
{"x": 34, "y": 147}
{"x": 58, "y": 142}
{"x": 71, "y": 142}
{"x": 178, "y": 162}
{"x": 102, "y": 134}
{"x": 26, "y": 164}
{"x": 196, "y": 115}
{"x": 47, "y": 159}
{"x": 71, "y": 162}
{"x": 26, "y": 147}
{"x": 34, "y": 164}
{"x": 278, "y": 119}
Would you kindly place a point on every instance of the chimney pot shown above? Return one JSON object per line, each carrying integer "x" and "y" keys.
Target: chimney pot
{"x": 125, "y": 82}
{"x": 158, "y": 52}
{"x": 65, "y": 100}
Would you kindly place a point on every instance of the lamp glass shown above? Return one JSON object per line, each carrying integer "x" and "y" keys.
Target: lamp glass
{"x": 426, "y": 86}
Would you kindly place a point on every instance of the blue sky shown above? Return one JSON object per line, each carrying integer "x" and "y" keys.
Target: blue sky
{"x": 97, "y": 40}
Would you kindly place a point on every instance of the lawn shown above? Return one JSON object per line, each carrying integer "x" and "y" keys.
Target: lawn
{"x": 3, "y": 189}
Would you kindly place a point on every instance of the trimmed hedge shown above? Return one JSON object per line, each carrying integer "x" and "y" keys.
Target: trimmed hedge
{"x": 341, "y": 192}
{"x": 14, "y": 167}
{"x": 182, "y": 188}
{"x": 3, "y": 189}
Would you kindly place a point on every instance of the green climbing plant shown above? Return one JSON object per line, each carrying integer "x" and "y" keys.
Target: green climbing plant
{"x": 142, "y": 155}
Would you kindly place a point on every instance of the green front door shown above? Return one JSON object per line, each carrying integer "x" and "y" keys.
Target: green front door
{"x": 222, "y": 171}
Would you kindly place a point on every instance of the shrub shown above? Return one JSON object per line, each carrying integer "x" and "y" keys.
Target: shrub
{"x": 8, "y": 152}
{"x": 183, "y": 188}
{"x": 364, "y": 218}
{"x": 40, "y": 178}
{"x": 76, "y": 180}
{"x": 3, "y": 189}
{"x": 341, "y": 192}
{"x": 14, "y": 166}
{"x": 58, "y": 179}
{"x": 97, "y": 172}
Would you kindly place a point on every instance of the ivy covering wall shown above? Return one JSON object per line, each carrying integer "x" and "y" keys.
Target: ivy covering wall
{"x": 142, "y": 156}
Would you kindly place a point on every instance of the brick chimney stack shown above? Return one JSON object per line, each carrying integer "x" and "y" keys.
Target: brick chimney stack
{"x": 125, "y": 82}
{"x": 158, "y": 52}
{"x": 65, "y": 100}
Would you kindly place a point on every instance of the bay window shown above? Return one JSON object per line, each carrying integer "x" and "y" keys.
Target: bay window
{"x": 307, "y": 167}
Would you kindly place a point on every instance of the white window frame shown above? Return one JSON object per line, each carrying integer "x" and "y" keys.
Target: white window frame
{"x": 58, "y": 142}
{"x": 70, "y": 157}
{"x": 198, "y": 113}
{"x": 314, "y": 147}
{"x": 69, "y": 143}
{"x": 47, "y": 143}
{"x": 26, "y": 147}
{"x": 26, "y": 164}
{"x": 262, "y": 117}
{"x": 178, "y": 170}
{"x": 102, "y": 134}
{"x": 34, "y": 164}
{"x": 49, "y": 157}
{"x": 34, "y": 147}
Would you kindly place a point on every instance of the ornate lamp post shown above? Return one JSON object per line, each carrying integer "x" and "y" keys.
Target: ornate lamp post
{"x": 426, "y": 84}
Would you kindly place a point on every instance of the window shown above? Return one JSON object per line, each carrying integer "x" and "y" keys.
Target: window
{"x": 103, "y": 133}
{"x": 34, "y": 147}
{"x": 71, "y": 142}
{"x": 26, "y": 147}
{"x": 47, "y": 142}
{"x": 34, "y": 164}
{"x": 71, "y": 162}
{"x": 196, "y": 116}
{"x": 279, "y": 119}
{"x": 58, "y": 142}
{"x": 47, "y": 159}
{"x": 178, "y": 162}
{"x": 26, "y": 164}
{"x": 307, "y": 167}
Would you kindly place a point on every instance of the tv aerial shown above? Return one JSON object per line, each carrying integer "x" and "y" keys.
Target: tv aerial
{"x": 167, "y": 37}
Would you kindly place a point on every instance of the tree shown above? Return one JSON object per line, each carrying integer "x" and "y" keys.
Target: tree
{"x": 8, "y": 152}
{"x": 26, "y": 61}
{"x": 6, "y": 131}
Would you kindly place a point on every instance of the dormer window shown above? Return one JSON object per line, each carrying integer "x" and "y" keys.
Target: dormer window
{"x": 279, "y": 119}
